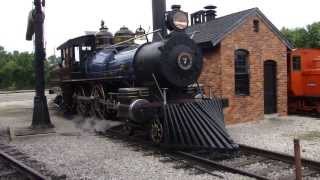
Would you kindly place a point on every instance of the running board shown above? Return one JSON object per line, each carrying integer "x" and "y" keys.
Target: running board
{"x": 196, "y": 125}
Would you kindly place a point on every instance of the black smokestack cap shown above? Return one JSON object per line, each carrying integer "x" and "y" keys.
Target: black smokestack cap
{"x": 159, "y": 22}
{"x": 176, "y": 7}
{"x": 210, "y": 7}
{"x": 210, "y": 13}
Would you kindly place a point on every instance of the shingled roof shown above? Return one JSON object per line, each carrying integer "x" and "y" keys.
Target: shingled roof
{"x": 214, "y": 31}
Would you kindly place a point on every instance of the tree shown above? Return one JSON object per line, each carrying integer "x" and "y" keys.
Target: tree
{"x": 301, "y": 37}
{"x": 313, "y": 35}
{"x": 54, "y": 60}
{"x": 298, "y": 36}
{"x": 17, "y": 69}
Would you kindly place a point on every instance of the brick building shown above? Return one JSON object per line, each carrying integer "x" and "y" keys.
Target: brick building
{"x": 246, "y": 62}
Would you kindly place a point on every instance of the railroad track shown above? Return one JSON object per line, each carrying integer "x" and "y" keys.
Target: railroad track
{"x": 249, "y": 161}
{"x": 15, "y": 165}
{"x": 256, "y": 163}
{"x": 17, "y": 92}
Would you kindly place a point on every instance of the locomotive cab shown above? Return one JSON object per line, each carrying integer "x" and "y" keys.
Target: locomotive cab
{"x": 74, "y": 53}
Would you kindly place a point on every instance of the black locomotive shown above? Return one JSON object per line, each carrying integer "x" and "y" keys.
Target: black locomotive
{"x": 151, "y": 87}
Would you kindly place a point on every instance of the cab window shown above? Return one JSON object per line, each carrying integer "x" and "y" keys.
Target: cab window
{"x": 296, "y": 63}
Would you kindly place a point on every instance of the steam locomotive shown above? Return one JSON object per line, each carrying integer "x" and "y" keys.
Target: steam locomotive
{"x": 151, "y": 87}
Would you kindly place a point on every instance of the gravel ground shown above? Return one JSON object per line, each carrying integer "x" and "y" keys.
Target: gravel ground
{"x": 85, "y": 156}
{"x": 89, "y": 157}
{"x": 277, "y": 134}
{"x": 81, "y": 155}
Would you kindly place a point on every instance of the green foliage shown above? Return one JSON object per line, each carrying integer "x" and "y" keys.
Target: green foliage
{"x": 54, "y": 60}
{"x": 17, "y": 71}
{"x": 314, "y": 35}
{"x": 297, "y": 36}
{"x": 308, "y": 37}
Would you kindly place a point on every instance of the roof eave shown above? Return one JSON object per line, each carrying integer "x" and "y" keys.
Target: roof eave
{"x": 275, "y": 29}
{"x": 254, "y": 11}
{"x": 231, "y": 29}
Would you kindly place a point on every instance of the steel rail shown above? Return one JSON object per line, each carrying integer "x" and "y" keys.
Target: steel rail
{"x": 195, "y": 167}
{"x": 17, "y": 92}
{"x": 22, "y": 168}
{"x": 252, "y": 151}
{"x": 219, "y": 166}
{"x": 165, "y": 153}
{"x": 279, "y": 156}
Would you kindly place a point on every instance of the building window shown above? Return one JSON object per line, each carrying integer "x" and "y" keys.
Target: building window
{"x": 296, "y": 63}
{"x": 242, "y": 79}
{"x": 256, "y": 25}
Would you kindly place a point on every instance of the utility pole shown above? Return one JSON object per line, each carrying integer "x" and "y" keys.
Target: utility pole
{"x": 41, "y": 118}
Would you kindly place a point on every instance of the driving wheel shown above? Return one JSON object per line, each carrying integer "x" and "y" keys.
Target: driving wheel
{"x": 82, "y": 107}
{"x": 98, "y": 108}
{"x": 156, "y": 132}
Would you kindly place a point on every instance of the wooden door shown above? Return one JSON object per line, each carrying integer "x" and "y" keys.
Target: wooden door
{"x": 270, "y": 87}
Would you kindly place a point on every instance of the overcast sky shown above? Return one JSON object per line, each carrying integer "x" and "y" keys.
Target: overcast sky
{"x": 69, "y": 18}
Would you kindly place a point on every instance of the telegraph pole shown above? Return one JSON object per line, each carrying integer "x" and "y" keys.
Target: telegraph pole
{"x": 41, "y": 118}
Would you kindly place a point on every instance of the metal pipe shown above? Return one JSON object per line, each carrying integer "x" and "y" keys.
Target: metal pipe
{"x": 41, "y": 118}
{"x": 158, "y": 14}
{"x": 165, "y": 96}
{"x": 39, "y": 48}
{"x": 157, "y": 84}
{"x": 134, "y": 38}
{"x": 297, "y": 159}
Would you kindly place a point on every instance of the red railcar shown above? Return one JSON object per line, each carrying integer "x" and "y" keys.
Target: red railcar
{"x": 304, "y": 81}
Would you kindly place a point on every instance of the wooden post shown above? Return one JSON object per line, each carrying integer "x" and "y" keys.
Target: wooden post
{"x": 297, "y": 159}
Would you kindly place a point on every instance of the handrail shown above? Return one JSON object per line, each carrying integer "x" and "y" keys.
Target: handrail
{"x": 134, "y": 38}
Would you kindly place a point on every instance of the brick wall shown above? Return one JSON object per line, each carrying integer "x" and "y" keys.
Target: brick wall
{"x": 219, "y": 71}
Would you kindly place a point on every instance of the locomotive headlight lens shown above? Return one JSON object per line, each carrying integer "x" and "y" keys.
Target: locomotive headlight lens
{"x": 180, "y": 20}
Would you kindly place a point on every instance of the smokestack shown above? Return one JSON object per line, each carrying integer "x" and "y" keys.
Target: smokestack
{"x": 203, "y": 16}
{"x": 158, "y": 13}
{"x": 211, "y": 12}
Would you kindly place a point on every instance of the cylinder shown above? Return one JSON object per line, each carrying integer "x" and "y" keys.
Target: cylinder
{"x": 158, "y": 14}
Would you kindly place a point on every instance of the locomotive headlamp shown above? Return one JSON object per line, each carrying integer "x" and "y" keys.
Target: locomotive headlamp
{"x": 180, "y": 20}
{"x": 176, "y": 19}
